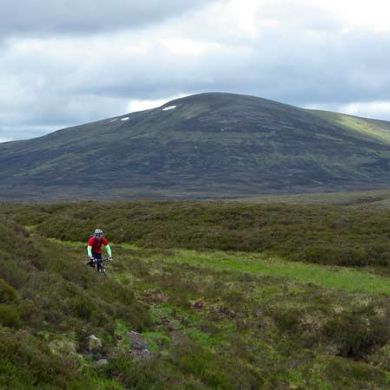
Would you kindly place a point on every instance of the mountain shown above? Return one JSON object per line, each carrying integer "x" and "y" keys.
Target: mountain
{"x": 202, "y": 146}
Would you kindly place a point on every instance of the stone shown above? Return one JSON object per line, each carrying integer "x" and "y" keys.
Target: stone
{"x": 198, "y": 304}
{"x": 94, "y": 343}
{"x": 141, "y": 355}
{"x": 137, "y": 342}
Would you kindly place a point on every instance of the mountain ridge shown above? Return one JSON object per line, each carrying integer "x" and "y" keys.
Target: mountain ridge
{"x": 211, "y": 145}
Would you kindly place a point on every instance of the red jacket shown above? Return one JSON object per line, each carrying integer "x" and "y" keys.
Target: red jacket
{"x": 96, "y": 243}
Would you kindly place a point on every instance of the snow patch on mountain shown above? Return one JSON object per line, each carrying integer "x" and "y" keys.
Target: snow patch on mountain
{"x": 169, "y": 108}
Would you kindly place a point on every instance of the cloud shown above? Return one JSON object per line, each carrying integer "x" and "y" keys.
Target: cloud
{"x": 295, "y": 51}
{"x": 373, "y": 109}
{"x": 42, "y": 17}
{"x": 11, "y": 133}
{"x": 145, "y": 104}
{"x": 355, "y": 15}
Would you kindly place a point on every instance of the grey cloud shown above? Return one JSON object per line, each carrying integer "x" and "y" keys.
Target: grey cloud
{"x": 41, "y": 17}
{"x": 305, "y": 17}
{"x": 317, "y": 72}
{"x": 56, "y": 112}
{"x": 324, "y": 66}
{"x": 18, "y": 132}
{"x": 339, "y": 70}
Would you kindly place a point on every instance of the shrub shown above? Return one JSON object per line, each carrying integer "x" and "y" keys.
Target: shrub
{"x": 323, "y": 234}
{"x": 7, "y": 293}
{"x": 358, "y": 332}
{"x": 9, "y": 316}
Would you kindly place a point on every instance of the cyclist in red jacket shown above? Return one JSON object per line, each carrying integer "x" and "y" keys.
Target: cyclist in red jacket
{"x": 94, "y": 247}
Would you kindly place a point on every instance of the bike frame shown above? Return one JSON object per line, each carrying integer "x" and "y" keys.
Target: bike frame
{"x": 99, "y": 265}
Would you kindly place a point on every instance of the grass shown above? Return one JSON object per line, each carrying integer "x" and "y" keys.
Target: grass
{"x": 266, "y": 320}
{"x": 323, "y": 234}
{"x": 49, "y": 307}
{"x": 344, "y": 278}
{"x": 212, "y": 318}
{"x": 366, "y": 127}
{"x": 357, "y": 199}
{"x": 328, "y": 277}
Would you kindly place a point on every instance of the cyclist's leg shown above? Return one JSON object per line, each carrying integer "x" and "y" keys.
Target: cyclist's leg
{"x": 99, "y": 260}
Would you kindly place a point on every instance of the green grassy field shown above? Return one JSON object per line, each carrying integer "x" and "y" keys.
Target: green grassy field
{"x": 212, "y": 317}
{"x": 342, "y": 278}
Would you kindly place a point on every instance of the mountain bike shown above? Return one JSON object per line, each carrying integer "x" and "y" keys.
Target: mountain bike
{"x": 98, "y": 264}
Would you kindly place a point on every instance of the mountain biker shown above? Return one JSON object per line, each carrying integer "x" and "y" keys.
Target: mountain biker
{"x": 94, "y": 247}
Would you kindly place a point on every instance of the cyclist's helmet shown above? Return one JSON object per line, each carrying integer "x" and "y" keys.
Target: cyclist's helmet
{"x": 98, "y": 233}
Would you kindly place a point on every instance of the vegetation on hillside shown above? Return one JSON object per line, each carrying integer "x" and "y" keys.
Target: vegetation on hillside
{"x": 50, "y": 305}
{"x": 211, "y": 316}
{"x": 212, "y": 145}
{"x": 314, "y": 233}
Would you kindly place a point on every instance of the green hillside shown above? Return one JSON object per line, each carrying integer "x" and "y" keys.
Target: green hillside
{"x": 355, "y": 236}
{"x": 202, "y": 146}
{"x": 239, "y": 317}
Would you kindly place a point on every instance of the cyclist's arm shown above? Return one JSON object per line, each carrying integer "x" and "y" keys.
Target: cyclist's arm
{"x": 89, "y": 250}
{"x": 108, "y": 250}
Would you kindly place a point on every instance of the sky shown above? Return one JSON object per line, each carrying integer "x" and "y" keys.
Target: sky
{"x": 67, "y": 62}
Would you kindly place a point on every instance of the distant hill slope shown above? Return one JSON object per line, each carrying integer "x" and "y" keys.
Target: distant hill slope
{"x": 201, "y": 146}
